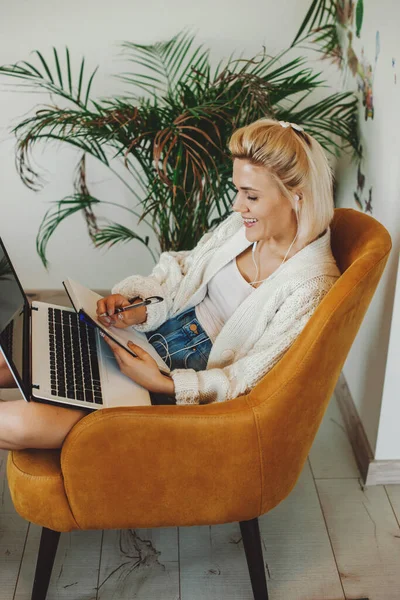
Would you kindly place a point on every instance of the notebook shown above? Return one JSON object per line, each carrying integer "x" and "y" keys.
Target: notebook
{"x": 85, "y": 301}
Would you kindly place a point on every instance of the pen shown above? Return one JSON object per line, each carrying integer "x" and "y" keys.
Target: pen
{"x": 149, "y": 300}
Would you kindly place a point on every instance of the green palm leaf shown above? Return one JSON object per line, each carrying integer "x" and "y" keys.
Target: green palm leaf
{"x": 117, "y": 233}
{"x": 359, "y": 17}
{"x": 320, "y": 28}
{"x": 55, "y": 215}
{"x": 320, "y": 12}
{"x": 44, "y": 78}
{"x": 165, "y": 60}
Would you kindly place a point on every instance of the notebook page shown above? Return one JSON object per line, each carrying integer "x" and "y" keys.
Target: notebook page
{"x": 85, "y": 299}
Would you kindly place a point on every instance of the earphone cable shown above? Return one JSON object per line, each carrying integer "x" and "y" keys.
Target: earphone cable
{"x": 290, "y": 247}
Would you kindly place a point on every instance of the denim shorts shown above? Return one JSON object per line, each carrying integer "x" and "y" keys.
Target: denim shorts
{"x": 186, "y": 341}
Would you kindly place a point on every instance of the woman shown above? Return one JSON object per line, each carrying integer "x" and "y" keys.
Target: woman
{"x": 236, "y": 302}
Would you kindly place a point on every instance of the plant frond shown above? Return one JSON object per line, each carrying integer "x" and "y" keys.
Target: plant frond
{"x": 55, "y": 215}
{"x": 166, "y": 61}
{"x": 319, "y": 13}
{"x": 55, "y": 80}
{"x": 56, "y": 125}
{"x": 335, "y": 115}
{"x": 115, "y": 233}
{"x": 82, "y": 191}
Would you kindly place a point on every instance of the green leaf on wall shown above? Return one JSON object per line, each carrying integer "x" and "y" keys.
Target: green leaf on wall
{"x": 358, "y": 201}
{"x": 359, "y": 16}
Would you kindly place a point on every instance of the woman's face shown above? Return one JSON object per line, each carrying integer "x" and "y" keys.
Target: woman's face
{"x": 260, "y": 198}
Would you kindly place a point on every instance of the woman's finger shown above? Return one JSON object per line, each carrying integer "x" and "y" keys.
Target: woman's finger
{"x": 138, "y": 350}
{"x": 114, "y": 347}
{"x": 101, "y": 312}
{"x": 115, "y": 301}
{"x": 121, "y": 318}
{"x": 106, "y": 321}
{"x": 119, "y": 352}
{"x": 118, "y": 321}
{"x": 108, "y": 305}
{"x": 101, "y": 306}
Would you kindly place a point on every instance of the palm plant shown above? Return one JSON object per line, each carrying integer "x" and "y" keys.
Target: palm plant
{"x": 325, "y": 26}
{"x": 320, "y": 28}
{"x": 173, "y": 138}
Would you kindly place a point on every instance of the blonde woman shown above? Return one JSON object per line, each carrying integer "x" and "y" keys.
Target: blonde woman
{"x": 236, "y": 302}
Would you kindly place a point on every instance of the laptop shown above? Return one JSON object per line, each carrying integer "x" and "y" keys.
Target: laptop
{"x": 57, "y": 357}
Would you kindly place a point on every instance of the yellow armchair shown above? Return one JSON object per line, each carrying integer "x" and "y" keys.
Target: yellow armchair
{"x": 160, "y": 466}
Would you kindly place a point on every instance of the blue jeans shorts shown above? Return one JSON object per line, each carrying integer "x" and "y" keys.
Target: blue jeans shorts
{"x": 183, "y": 344}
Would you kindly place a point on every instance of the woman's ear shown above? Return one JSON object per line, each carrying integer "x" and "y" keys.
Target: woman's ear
{"x": 297, "y": 198}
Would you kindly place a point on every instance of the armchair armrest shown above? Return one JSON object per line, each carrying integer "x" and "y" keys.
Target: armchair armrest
{"x": 159, "y": 466}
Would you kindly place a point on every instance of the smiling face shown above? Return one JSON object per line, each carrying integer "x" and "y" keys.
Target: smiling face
{"x": 260, "y": 198}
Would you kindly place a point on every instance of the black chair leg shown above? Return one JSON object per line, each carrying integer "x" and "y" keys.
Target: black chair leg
{"x": 47, "y": 553}
{"x": 254, "y": 556}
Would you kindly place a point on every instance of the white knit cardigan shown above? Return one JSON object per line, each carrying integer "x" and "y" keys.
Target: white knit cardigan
{"x": 260, "y": 330}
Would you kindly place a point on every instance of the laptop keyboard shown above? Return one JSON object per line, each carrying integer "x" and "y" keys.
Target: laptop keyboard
{"x": 7, "y": 337}
{"x": 74, "y": 365}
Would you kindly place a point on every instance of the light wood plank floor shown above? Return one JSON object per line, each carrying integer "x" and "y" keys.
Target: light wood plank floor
{"x": 329, "y": 540}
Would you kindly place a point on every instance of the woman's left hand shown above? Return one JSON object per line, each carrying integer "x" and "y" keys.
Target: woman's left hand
{"x": 143, "y": 369}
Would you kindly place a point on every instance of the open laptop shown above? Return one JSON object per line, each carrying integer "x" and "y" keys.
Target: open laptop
{"x": 57, "y": 358}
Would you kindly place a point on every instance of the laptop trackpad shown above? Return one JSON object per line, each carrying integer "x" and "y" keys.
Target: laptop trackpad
{"x": 118, "y": 389}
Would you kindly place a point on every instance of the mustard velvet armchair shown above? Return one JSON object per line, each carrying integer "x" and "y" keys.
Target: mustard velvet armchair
{"x": 162, "y": 466}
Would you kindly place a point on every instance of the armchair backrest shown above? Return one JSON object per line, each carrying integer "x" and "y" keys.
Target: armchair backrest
{"x": 290, "y": 401}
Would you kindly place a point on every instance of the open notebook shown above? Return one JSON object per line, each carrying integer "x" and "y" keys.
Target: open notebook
{"x": 84, "y": 302}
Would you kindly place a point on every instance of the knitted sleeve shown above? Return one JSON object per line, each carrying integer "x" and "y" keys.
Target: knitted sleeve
{"x": 164, "y": 281}
{"x": 220, "y": 384}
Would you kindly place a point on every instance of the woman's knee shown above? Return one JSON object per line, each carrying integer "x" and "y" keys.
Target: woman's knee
{"x": 37, "y": 425}
{"x": 6, "y": 377}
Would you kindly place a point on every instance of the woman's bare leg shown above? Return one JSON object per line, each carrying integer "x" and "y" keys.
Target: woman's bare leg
{"x": 35, "y": 425}
{"x": 32, "y": 424}
{"x": 6, "y": 377}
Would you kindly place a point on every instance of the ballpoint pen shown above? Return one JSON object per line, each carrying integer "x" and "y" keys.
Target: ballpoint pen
{"x": 149, "y": 300}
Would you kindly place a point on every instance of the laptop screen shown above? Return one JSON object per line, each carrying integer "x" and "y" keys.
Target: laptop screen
{"x": 12, "y": 311}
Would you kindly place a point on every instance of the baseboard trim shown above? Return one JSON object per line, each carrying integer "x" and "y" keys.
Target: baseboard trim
{"x": 383, "y": 472}
{"x": 373, "y": 472}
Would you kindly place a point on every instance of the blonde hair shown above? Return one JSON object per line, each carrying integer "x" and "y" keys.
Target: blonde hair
{"x": 297, "y": 162}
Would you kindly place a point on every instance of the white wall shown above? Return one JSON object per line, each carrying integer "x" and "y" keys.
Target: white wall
{"x": 366, "y": 365}
{"x": 388, "y": 443}
{"x": 92, "y": 28}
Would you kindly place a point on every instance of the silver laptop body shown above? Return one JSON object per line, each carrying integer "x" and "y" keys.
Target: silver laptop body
{"x": 56, "y": 357}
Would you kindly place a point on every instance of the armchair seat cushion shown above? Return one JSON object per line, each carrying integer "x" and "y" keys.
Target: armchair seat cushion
{"x": 37, "y": 488}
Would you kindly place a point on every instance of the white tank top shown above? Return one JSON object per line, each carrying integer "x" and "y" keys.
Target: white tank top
{"x": 225, "y": 291}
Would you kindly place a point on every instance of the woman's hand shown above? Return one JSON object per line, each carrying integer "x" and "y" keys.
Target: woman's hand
{"x": 108, "y": 305}
{"x": 143, "y": 369}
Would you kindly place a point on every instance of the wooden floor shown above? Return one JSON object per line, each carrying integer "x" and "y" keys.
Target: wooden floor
{"x": 330, "y": 539}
